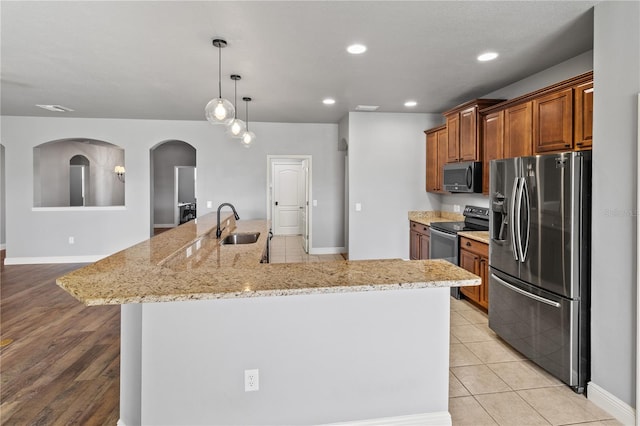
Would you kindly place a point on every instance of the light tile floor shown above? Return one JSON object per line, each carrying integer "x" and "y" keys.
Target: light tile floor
{"x": 289, "y": 249}
{"x": 489, "y": 382}
{"x": 492, "y": 384}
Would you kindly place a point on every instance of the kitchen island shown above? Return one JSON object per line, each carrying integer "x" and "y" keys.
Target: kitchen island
{"x": 338, "y": 341}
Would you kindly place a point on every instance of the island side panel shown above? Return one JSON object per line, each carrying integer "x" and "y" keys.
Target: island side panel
{"x": 130, "y": 364}
{"x": 322, "y": 358}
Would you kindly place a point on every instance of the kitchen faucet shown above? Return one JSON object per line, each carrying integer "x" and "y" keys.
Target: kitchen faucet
{"x": 235, "y": 214}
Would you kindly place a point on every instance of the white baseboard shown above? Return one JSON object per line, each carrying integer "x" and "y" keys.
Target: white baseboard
{"x": 120, "y": 423}
{"x": 439, "y": 418}
{"x": 327, "y": 250}
{"x": 164, "y": 225}
{"x": 619, "y": 409}
{"x": 52, "y": 259}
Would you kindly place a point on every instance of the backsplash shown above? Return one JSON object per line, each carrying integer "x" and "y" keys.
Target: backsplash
{"x": 451, "y": 200}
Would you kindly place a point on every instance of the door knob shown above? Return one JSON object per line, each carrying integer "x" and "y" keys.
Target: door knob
{"x": 276, "y": 203}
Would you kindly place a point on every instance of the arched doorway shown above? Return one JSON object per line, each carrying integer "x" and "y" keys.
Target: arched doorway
{"x": 173, "y": 184}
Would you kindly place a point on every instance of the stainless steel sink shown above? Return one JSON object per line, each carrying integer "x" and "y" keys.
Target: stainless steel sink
{"x": 241, "y": 238}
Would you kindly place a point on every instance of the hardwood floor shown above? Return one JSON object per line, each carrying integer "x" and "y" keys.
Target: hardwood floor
{"x": 59, "y": 360}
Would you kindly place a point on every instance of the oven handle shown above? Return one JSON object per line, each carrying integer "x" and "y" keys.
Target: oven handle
{"x": 526, "y": 293}
{"x": 442, "y": 234}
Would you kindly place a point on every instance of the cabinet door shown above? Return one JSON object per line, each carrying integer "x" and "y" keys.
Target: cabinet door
{"x": 443, "y": 139}
{"x": 583, "y": 116}
{"x": 453, "y": 138}
{"x": 484, "y": 288}
{"x": 553, "y": 122}
{"x": 469, "y": 146}
{"x": 471, "y": 263}
{"x": 433, "y": 164}
{"x": 414, "y": 245}
{"x": 492, "y": 131}
{"x": 424, "y": 246}
{"x": 517, "y": 131}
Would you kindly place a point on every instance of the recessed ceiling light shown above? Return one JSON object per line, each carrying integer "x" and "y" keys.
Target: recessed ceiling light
{"x": 55, "y": 108}
{"x": 367, "y": 107}
{"x": 410, "y": 103}
{"x": 328, "y": 101}
{"x": 489, "y": 56}
{"x": 356, "y": 49}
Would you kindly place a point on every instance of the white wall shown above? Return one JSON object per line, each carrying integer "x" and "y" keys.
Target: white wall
{"x": 227, "y": 172}
{"x": 2, "y": 199}
{"x": 387, "y": 161}
{"x": 615, "y": 127}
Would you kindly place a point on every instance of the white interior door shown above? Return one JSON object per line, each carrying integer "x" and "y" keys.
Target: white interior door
{"x": 288, "y": 198}
{"x": 304, "y": 212}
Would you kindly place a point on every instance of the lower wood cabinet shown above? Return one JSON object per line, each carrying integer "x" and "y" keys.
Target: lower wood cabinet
{"x": 418, "y": 241}
{"x": 474, "y": 257}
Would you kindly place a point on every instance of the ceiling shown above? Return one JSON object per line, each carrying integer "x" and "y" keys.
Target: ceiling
{"x": 155, "y": 59}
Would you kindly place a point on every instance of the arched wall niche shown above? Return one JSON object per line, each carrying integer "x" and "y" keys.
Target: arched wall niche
{"x": 56, "y": 169}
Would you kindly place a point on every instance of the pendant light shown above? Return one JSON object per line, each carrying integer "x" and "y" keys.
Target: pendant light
{"x": 219, "y": 110}
{"x": 248, "y": 136}
{"x": 236, "y": 127}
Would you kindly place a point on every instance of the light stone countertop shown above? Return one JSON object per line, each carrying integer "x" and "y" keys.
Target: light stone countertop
{"x": 188, "y": 263}
{"x": 426, "y": 217}
{"x": 481, "y": 236}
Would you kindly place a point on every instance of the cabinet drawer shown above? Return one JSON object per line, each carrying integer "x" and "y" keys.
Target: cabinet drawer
{"x": 419, "y": 227}
{"x": 476, "y": 247}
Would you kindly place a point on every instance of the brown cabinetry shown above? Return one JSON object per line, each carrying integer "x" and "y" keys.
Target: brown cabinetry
{"x": 419, "y": 236}
{"x": 517, "y": 131}
{"x": 583, "y": 116}
{"x": 474, "y": 257}
{"x": 436, "y": 158}
{"x": 492, "y": 133}
{"x": 553, "y": 121}
{"x": 464, "y": 141}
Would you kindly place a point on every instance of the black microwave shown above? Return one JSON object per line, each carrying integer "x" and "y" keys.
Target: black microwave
{"x": 463, "y": 177}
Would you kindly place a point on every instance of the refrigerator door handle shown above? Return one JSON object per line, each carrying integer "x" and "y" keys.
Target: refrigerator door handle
{"x": 526, "y": 293}
{"x": 518, "y": 216}
{"x": 524, "y": 194}
{"x": 512, "y": 221}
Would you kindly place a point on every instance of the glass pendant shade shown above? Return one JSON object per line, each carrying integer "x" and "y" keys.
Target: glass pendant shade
{"x": 220, "y": 111}
{"x": 248, "y": 138}
{"x": 236, "y": 128}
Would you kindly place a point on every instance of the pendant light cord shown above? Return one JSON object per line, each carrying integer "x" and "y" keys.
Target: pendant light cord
{"x": 220, "y": 72}
{"x": 235, "y": 98}
{"x": 247, "y": 113}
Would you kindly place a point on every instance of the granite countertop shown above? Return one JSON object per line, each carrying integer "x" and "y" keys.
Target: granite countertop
{"x": 427, "y": 217}
{"x": 481, "y": 236}
{"x": 188, "y": 263}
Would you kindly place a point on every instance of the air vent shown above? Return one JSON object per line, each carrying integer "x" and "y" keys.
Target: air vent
{"x": 367, "y": 107}
{"x": 55, "y": 108}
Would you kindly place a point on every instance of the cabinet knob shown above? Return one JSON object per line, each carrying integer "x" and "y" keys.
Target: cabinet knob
{"x": 580, "y": 143}
{"x": 567, "y": 146}
{"x": 468, "y": 244}
{"x": 424, "y": 228}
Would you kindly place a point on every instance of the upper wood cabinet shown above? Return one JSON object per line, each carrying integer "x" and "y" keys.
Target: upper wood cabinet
{"x": 553, "y": 121}
{"x": 464, "y": 141}
{"x": 493, "y": 140}
{"x": 583, "y": 116}
{"x": 517, "y": 131}
{"x": 436, "y": 158}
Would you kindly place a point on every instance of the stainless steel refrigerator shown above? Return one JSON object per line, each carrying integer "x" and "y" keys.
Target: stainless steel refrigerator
{"x": 539, "y": 259}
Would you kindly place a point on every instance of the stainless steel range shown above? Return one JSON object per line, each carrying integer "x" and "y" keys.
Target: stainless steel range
{"x": 444, "y": 243}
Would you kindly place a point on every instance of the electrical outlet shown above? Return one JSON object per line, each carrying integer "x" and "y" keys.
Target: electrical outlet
{"x": 456, "y": 208}
{"x": 209, "y": 204}
{"x": 72, "y": 240}
{"x": 251, "y": 380}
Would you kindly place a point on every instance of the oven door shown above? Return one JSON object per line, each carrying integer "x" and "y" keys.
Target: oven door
{"x": 443, "y": 245}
